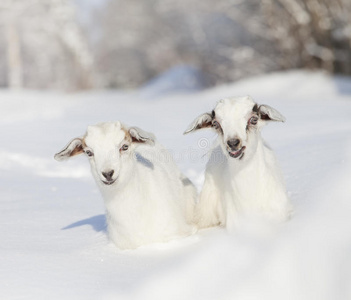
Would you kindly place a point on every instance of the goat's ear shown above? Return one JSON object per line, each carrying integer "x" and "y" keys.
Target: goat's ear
{"x": 202, "y": 121}
{"x": 140, "y": 136}
{"x": 73, "y": 148}
{"x": 267, "y": 113}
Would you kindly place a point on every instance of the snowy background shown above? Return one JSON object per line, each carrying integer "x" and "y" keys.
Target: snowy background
{"x": 157, "y": 64}
{"x": 53, "y": 239}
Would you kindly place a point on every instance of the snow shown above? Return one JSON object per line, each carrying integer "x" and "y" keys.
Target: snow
{"x": 54, "y": 243}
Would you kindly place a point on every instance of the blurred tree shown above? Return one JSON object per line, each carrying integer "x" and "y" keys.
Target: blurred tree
{"x": 310, "y": 33}
{"x": 44, "y": 45}
{"x": 135, "y": 44}
{"x": 132, "y": 41}
{"x": 227, "y": 39}
{"x": 140, "y": 39}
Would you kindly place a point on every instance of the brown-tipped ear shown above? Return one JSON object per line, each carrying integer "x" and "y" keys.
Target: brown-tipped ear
{"x": 267, "y": 113}
{"x": 73, "y": 148}
{"x": 202, "y": 121}
{"x": 140, "y": 136}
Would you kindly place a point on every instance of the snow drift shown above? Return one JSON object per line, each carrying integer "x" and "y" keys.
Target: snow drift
{"x": 53, "y": 238}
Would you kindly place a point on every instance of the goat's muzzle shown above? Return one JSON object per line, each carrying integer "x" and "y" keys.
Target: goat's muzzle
{"x": 234, "y": 144}
{"x": 237, "y": 154}
{"x": 109, "y": 182}
{"x": 108, "y": 176}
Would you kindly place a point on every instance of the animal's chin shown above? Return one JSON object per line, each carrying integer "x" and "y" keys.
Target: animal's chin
{"x": 108, "y": 182}
{"x": 237, "y": 154}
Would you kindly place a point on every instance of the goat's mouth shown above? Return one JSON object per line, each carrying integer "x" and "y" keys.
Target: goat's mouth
{"x": 109, "y": 182}
{"x": 237, "y": 154}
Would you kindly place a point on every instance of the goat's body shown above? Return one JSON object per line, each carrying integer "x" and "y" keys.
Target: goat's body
{"x": 242, "y": 177}
{"x": 234, "y": 188}
{"x": 147, "y": 198}
{"x": 155, "y": 205}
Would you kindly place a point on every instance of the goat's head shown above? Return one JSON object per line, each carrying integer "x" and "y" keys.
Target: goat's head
{"x": 238, "y": 121}
{"x": 109, "y": 147}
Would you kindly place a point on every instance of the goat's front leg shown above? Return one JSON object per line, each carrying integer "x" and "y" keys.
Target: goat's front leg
{"x": 231, "y": 213}
{"x": 209, "y": 210}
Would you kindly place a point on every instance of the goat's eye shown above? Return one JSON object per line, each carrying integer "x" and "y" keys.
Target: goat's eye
{"x": 216, "y": 125}
{"x": 124, "y": 147}
{"x": 89, "y": 153}
{"x": 253, "y": 120}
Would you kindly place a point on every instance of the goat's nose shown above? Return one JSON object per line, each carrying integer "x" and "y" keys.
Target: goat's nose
{"x": 108, "y": 175}
{"x": 233, "y": 143}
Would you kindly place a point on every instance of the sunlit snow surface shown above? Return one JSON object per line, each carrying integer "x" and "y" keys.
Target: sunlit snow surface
{"x": 53, "y": 239}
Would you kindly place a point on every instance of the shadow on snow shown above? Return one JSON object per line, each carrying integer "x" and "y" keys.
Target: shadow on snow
{"x": 98, "y": 223}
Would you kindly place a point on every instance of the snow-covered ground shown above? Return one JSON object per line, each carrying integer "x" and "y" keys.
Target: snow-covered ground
{"x": 53, "y": 239}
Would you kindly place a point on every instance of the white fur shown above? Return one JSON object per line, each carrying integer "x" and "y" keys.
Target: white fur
{"x": 150, "y": 201}
{"x": 234, "y": 187}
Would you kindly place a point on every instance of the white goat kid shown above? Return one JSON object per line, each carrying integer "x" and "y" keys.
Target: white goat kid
{"x": 147, "y": 198}
{"x": 242, "y": 177}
